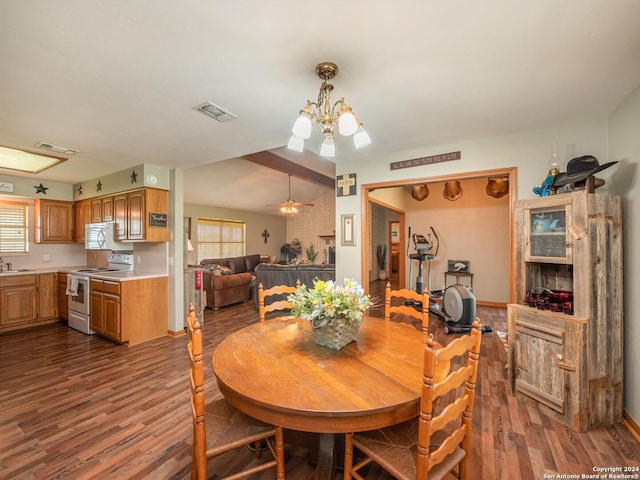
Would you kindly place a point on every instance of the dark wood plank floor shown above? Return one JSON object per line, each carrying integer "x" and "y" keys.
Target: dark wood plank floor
{"x": 74, "y": 406}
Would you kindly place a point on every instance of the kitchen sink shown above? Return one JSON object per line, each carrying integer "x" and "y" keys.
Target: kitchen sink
{"x": 16, "y": 271}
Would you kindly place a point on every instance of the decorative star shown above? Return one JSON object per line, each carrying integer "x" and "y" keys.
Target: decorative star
{"x": 41, "y": 188}
{"x": 99, "y": 186}
{"x": 134, "y": 177}
{"x": 265, "y": 235}
{"x": 80, "y": 190}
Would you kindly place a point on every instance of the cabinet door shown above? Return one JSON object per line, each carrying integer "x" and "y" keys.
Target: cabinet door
{"x": 63, "y": 300}
{"x": 18, "y": 305}
{"x": 136, "y": 215}
{"x": 538, "y": 349}
{"x": 54, "y": 221}
{"x": 47, "y": 296}
{"x": 82, "y": 216}
{"x": 548, "y": 236}
{"x": 96, "y": 211}
{"x": 111, "y": 313}
{"x": 120, "y": 216}
{"x": 107, "y": 209}
{"x": 96, "y": 311}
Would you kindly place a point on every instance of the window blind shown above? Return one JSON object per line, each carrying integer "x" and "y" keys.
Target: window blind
{"x": 13, "y": 227}
{"x": 220, "y": 238}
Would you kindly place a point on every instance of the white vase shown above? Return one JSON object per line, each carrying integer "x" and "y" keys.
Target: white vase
{"x": 382, "y": 274}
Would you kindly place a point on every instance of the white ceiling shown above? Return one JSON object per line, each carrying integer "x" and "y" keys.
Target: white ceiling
{"x": 117, "y": 79}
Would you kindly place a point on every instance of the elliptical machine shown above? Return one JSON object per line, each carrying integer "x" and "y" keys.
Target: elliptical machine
{"x": 423, "y": 247}
{"x": 426, "y": 248}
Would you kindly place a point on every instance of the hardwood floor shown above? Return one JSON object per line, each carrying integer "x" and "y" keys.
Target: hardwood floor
{"x": 74, "y": 406}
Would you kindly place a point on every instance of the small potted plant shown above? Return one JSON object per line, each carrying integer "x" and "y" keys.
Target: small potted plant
{"x": 381, "y": 255}
{"x": 335, "y": 311}
{"x": 311, "y": 253}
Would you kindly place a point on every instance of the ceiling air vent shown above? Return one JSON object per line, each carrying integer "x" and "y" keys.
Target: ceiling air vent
{"x": 56, "y": 148}
{"x": 215, "y": 111}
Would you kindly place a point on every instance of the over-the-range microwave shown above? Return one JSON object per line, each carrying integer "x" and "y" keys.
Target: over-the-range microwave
{"x": 102, "y": 236}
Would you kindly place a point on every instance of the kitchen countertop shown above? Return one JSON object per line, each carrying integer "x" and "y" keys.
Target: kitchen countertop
{"x": 120, "y": 276}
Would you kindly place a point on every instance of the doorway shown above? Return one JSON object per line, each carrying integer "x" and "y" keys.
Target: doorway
{"x": 461, "y": 235}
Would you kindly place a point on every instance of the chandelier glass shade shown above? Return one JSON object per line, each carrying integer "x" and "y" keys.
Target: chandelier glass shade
{"x": 322, "y": 115}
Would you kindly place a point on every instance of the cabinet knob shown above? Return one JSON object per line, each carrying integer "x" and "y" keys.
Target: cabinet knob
{"x": 559, "y": 357}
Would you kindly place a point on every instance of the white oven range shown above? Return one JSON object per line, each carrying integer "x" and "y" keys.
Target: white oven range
{"x": 78, "y": 289}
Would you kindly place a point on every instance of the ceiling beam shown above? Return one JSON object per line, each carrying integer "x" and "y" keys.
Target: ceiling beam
{"x": 271, "y": 160}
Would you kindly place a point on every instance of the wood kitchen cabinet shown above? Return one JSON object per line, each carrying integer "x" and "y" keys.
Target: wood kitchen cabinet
{"x": 130, "y": 312}
{"x": 82, "y": 212}
{"x": 63, "y": 300}
{"x": 569, "y": 364}
{"x": 28, "y": 300}
{"x": 48, "y": 296}
{"x": 140, "y": 215}
{"x": 136, "y": 214}
{"x": 54, "y": 221}
{"x": 105, "y": 308}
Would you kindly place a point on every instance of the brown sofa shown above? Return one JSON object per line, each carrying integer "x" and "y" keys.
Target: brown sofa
{"x": 228, "y": 280}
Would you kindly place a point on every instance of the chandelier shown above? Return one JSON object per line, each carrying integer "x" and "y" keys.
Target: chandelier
{"x": 322, "y": 115}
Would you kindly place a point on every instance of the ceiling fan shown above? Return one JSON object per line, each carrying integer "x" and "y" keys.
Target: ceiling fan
{"x": 290, "y": 206}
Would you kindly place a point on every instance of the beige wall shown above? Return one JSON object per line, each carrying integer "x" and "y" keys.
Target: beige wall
{"x": 624, "y": 146}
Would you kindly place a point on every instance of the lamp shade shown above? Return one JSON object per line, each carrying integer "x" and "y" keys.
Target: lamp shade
{"x": 328, "y": 148}
{"x": 302, "y": 127}
{"x": 347, "y": 124}
{"x": 361, "y": 138}
{"x": 296, "y": 144}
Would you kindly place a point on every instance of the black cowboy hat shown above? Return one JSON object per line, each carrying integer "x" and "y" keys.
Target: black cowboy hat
{"x": 578, "y": 169}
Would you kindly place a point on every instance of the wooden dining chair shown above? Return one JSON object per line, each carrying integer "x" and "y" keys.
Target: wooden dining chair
{"x": 218, "y": 427}
{"x": 430, "y": 446}
{"x": 276, "y": 305}
{"x": 420, "y": 313}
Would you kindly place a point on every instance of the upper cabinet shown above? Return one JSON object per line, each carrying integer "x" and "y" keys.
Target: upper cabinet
{"x": 140, "y": 215}
{"x": 54, "y": 221}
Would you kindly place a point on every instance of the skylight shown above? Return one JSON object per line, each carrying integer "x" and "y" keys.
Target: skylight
{"x": 22, "y": 161}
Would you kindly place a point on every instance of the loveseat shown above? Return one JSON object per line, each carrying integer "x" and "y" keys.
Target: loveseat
{"x": 228, "y": 280}
{"x": 275, "y": 274}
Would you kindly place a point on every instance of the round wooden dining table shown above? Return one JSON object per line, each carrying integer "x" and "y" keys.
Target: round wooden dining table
{"x": 273, "y": 371}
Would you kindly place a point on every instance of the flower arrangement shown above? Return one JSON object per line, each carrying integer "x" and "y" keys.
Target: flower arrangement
{"x": 328, "y": 300}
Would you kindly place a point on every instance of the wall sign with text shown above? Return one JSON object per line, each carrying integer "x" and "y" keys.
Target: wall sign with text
{"x": 346, "y": 185}
{"x": 418, "y": 162}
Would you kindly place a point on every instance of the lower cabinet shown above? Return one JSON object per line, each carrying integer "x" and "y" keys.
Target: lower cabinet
{"x": 130, "y": 311}
{"x": 548, "y": 362}
{"x": 63, "y": 300}
{"x": 28, "y": 300}
{"x": 105, "y": 308}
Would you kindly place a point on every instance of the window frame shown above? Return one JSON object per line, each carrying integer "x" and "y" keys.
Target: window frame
{"x": 16, "y": 221}
{"x": 221, "y": 244}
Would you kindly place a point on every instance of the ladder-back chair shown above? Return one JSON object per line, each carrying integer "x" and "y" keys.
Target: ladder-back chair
{"x": 432, "y": 445}
{"x": 392, "y": 307}
{"x": 218, "y": 427}
{"x": 276, "y": 305}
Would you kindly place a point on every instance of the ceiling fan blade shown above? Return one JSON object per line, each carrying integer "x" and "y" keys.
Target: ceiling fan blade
{"x": 302, "y": 204}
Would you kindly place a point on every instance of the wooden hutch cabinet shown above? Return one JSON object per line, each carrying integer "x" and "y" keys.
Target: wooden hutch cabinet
{"x": 569, "y": 364}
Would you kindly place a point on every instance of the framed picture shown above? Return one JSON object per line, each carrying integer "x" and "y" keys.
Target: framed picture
{"x": 349, "y": 230}
{"x": 458, "y": 266}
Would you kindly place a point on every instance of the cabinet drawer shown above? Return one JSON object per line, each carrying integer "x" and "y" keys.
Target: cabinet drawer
{"x": 11, "y": 280}
{"x": 111, "y": 287}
